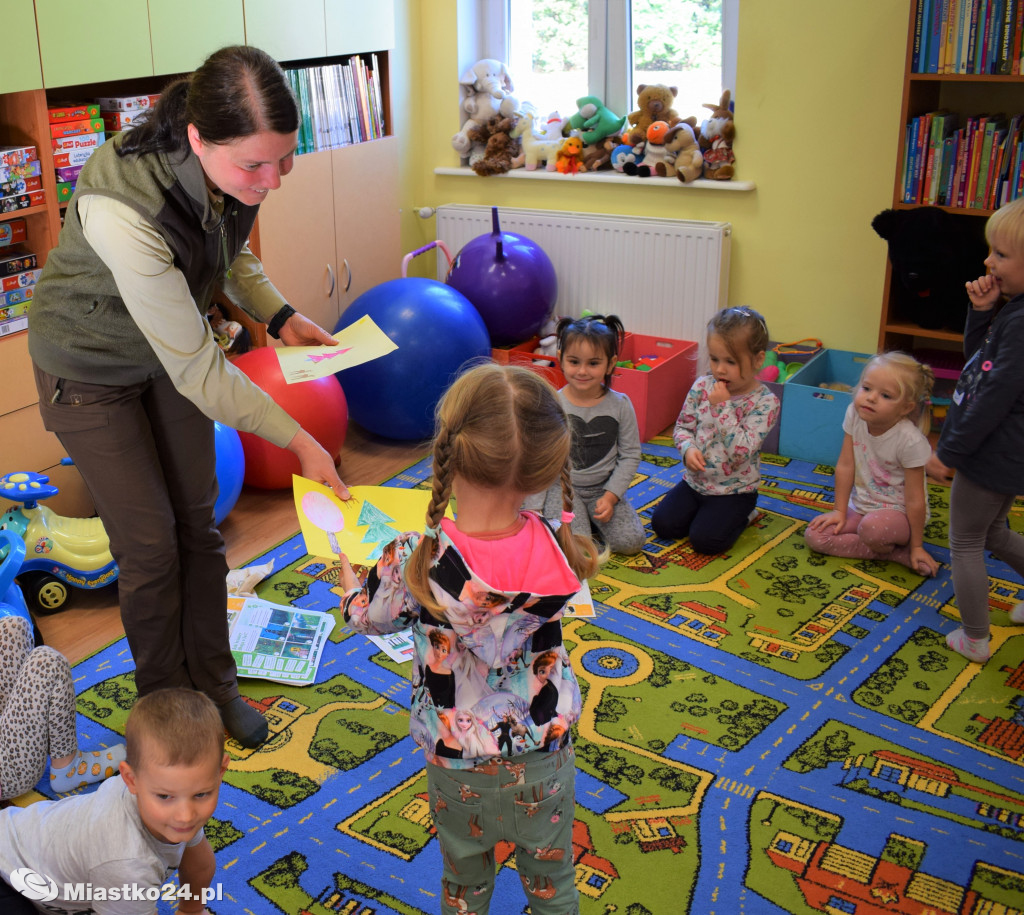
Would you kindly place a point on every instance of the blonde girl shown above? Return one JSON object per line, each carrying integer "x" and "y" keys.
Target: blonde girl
{"x": 881, "y": 504}
{"x": 719, "y": 433}
{"x": 500, "y": 435}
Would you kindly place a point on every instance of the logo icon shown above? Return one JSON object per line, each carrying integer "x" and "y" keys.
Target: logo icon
{"x": 33, "y": 886}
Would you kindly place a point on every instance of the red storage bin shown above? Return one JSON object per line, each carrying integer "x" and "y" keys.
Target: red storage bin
{"x": 523, "y": 354}
{"x": 658, "y": 394}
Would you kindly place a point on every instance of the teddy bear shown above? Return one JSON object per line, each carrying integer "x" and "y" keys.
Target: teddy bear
{"x": 594, "y": 121}
{"x": 501, "y": 152}
{"x": 486, "y": 90}
{"x": 684, "y": 158}
{"x": 716, "y": 136}
{"x": 933, "y": 254}
{"x": 654, "y": 103}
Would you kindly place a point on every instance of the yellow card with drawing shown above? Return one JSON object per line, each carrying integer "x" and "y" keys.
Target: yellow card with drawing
{"x": 358, "y": 343}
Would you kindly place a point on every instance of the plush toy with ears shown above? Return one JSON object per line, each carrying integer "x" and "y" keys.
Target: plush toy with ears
{"x": 486, "y": 90}
{"x": 654, "y": 103}
{"x": 716, "y": 136}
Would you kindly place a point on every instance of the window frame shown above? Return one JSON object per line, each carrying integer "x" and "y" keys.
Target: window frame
{"x": 483, "y": 33}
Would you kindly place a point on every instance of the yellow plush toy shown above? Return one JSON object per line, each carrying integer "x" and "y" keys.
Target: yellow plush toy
{"x": 654, "y": 103}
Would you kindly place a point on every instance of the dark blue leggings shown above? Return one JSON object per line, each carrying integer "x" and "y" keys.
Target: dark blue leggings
{"x": 713, "y": 523}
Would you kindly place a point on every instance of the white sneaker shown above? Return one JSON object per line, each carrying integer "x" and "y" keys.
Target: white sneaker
{"x": 1017, "y": 614}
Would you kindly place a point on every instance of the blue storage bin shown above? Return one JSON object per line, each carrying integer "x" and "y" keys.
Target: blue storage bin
{"x": 794, "y": 353}
{"x": 812, "y": 416}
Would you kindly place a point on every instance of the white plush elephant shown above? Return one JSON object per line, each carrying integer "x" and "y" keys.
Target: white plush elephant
{"x": 486, "y": 90}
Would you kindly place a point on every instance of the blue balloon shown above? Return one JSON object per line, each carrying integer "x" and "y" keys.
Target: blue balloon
{"x": 439, "y": 334}
{"x": 230, "y": 469}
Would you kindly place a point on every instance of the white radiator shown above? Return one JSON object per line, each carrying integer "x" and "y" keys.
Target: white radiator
{"x": 663, "y": 277}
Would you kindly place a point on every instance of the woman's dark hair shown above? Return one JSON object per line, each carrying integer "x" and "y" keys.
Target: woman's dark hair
{"x": 604, "y": 332}
{"x": 237, "y": 92}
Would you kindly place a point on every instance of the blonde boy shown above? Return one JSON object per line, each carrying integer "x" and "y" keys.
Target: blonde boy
{"x": 126, "y": 839}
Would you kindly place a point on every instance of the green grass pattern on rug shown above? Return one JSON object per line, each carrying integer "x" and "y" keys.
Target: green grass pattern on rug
{"x": 763, "y": 731}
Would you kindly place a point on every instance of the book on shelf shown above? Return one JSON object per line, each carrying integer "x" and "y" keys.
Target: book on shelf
{"x": 1018, "y": 38}
{"x": 920, "y": 39}
{"x": 949, "y": 152}
{"x": 1004, "y": 60}
{"x": 972, "y": 33}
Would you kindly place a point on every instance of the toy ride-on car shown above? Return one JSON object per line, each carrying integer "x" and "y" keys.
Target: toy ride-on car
{"x": 59, "y": 551}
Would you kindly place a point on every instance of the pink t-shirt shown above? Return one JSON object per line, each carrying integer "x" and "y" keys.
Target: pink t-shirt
{"x": 523, "y": 557}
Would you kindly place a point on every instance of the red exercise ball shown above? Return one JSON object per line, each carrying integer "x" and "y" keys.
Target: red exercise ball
{"x": 318, "y": 405}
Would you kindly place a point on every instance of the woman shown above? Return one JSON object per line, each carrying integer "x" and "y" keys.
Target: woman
{"x": 129, "y": 373}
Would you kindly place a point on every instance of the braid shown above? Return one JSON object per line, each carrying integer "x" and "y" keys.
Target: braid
{"x": 417, "y": 573}
{"x": 581, "y": 552}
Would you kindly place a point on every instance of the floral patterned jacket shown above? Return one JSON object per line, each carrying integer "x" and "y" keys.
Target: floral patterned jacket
{"x": 494, "y": 678}
{"x": 729, "y": 435}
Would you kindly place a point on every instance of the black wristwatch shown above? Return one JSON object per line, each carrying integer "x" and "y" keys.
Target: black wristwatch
{"x": 275, "y": 324}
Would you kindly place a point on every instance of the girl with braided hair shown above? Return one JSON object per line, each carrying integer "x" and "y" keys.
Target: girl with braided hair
{"x": 501, "y": 434}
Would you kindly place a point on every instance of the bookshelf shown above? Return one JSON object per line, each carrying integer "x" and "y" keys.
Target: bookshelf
{"x": 964, "y": 91}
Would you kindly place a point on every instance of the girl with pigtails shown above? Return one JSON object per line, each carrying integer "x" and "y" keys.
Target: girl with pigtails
{"x": 501, "y": 434}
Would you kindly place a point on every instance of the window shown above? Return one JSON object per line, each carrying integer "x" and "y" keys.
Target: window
{"x": 559, "y": 50}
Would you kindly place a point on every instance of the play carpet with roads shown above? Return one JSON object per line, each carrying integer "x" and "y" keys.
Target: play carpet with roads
{"x": 768, "y": 730}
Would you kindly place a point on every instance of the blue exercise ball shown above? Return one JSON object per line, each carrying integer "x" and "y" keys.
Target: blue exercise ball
{"x": 439, "y": 334}
{"x": 230, "y": 469}
{"x": 509, "y": 279}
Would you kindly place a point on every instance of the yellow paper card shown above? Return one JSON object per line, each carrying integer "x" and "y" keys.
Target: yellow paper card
{"x": 358, "y": 343}
{"x": 361, "y": 527}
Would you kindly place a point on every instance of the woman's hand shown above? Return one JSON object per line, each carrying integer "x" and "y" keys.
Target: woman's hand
{"x": 298, "y": 330}
{"x": 317, "y": 464}
{"x": 983, "y": 292}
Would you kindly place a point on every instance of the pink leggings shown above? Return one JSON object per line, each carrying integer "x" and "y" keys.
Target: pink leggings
{"x": 882, "y": 534}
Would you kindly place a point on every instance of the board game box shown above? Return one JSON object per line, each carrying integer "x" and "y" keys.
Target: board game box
{"x": 27, "y": 169}
{"x": 16, "y": 261}
{"x": 74, "y": 128}
{"x": 72, "y": 111}
{"x": 71, "y": 157}
{"x": 22, "y": 201}
{"x": 12, "y": 232}
{"x": 79, "y": 141}
{"x": 127, "y": 102}
{"x": 20, "y": 185}
{"x": 17, "y": 155}
{"x": 21, "y": 280}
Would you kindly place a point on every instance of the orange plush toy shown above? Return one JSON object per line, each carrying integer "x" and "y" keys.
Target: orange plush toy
{"x": 569, "y": 159}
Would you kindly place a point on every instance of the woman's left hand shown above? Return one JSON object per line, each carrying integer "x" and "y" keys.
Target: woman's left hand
{"x": 317, "y": 464}
{"x": 298, "y": 330}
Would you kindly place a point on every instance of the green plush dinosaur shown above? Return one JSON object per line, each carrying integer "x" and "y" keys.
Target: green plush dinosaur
{"x": 595, "y": 121}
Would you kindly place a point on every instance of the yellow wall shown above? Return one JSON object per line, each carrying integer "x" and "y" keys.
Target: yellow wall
{"x": 817, "y": 119}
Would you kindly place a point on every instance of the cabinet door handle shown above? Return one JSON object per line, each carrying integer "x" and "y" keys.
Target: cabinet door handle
{"x": 330, "y": 273}
{"x": 348, "y": 274}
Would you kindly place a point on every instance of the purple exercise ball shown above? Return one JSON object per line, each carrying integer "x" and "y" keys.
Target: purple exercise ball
{"x": 509, "y": 279}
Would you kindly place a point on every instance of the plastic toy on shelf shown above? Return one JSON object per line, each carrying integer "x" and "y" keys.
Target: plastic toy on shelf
{"x": 59, "y": 551}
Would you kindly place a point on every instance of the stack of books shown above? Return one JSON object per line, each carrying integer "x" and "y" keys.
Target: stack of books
{"x": 340, "y": 104}
{"x": 20, "y": 184}
{"x": 76, "y": 130}
{"x": 977, "y": 165}
{"x": 968, "y": 36}
{"x": 18, "y": 275}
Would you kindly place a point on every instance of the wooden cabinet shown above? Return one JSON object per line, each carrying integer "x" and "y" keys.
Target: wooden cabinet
{"x": 355, "y": 26}
{"x": 185, "y": 32}
{"x": 93, "y": 42}
{"x": 331, "y": 231}
{"x": 295, "y": 32}
{"x": 20, "y": 70}
{"x": 965, "y": 95}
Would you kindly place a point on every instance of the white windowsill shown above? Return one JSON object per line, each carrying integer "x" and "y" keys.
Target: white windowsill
{"x": 606, "y": 177}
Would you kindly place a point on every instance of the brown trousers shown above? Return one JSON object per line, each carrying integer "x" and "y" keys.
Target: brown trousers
{"x": 147, "y": 456}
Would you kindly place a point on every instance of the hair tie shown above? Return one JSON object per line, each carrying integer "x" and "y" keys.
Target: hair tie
{"x": 431, "y": 532}
{"x": 568, "y": 517}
